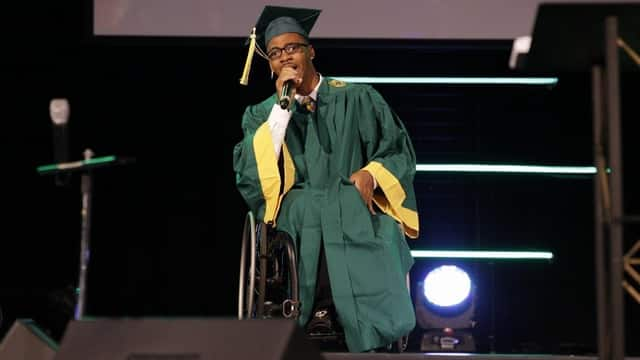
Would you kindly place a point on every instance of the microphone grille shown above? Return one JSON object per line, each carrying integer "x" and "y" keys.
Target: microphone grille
{"x": 59, "y": 111}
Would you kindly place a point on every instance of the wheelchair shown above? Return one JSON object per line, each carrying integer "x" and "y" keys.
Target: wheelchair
{"x": 268, "y": 281}
{"x": 268, "y": 264}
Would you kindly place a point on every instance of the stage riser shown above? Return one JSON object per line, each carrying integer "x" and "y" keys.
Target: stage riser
{"x": 25, "y": 341}
{"x": 421, "y": 356}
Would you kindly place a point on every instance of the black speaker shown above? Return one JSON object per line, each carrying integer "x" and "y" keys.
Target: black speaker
{"x": 26, "y": 341}
{"x": 185, "y": 339}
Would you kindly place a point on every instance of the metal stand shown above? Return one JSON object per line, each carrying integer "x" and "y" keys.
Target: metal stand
{"x": 85, "y": 238}
{"x": 608, "y": 199}
{"x": 601, "y": 206}
{"x": 85, "y": 167}
{"x": 581, "y": 38}
{"x": 616, "y": 239}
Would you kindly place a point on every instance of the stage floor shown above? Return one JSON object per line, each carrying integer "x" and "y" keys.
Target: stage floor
{"x": 454, "y": 356}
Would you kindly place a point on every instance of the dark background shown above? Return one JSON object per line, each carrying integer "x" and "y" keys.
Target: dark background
{"x": 166, "y": 230}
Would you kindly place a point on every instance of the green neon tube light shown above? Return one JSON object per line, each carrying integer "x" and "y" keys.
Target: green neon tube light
{"x": 477, "y": 254}
{"x": 76, "y": 164}
{"x": 516, "y": 169}
{"x": 452, "y": 80}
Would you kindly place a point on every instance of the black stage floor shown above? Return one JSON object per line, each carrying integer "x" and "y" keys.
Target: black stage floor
{"x": 454, "y": 356}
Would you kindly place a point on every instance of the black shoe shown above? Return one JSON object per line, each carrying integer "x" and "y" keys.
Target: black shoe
{"x": 322, "y": 322}
{"x": 325, "y": 331}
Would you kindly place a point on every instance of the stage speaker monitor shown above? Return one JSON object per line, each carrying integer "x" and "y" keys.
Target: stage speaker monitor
{"x": 185, "y": 339}
{"x": 25, "y": 341}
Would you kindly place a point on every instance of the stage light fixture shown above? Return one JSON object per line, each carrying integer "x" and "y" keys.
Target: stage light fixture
{"x": 447, "y": 285}
{"x": 445, "y": 307}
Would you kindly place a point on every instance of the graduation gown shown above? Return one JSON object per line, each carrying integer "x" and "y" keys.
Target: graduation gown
{"x": 311, "y": 198}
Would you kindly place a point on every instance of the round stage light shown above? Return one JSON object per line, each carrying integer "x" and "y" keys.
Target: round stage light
{"x": 447, "y": 285}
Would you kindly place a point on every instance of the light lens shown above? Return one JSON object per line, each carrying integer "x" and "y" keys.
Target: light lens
{"x": 447, "y": 286}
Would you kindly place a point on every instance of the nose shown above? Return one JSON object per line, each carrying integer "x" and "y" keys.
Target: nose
{"x": 284, "y": 57}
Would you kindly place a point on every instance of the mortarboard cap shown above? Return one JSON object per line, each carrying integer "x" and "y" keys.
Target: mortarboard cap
{"x": 276, "y": 20}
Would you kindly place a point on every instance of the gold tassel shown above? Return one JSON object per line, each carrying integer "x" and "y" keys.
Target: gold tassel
{"x": 244, "y": 80}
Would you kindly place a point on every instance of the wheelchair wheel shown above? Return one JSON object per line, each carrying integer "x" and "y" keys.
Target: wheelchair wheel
{"x": 268, "y": 282}
{"x": 253, "y": 246}
{"x": 247, "y": 269}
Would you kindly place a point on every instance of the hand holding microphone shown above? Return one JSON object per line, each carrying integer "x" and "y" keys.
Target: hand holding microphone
{"x": 286, "y": 84}
{"x": 285, "y": 94}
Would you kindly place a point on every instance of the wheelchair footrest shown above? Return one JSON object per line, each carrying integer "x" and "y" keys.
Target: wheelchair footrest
{"x": 329, "y": 342}
{"x": 331, "y": 336}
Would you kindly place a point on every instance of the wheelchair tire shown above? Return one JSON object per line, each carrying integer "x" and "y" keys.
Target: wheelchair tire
{"x": 246, "y": 287}
{"x": 262, "y": 251}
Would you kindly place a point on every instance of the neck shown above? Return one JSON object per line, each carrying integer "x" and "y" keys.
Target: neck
{"x": 309, "y": 83}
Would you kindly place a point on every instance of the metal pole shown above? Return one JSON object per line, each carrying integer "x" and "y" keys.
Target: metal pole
{"x": 599, "y": 249}
{"x": 612, "y": 102}
{"x": 85, "y": 240}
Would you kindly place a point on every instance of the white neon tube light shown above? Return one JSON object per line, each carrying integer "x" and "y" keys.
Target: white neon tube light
{"x": 451, "y": 80}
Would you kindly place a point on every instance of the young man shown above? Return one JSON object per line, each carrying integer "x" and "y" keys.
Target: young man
{"x": 334, "y": 170}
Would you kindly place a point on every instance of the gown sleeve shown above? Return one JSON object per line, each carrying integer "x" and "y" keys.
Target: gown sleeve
{"x": 391, "y": 159}
{"x": 259, "y": 179}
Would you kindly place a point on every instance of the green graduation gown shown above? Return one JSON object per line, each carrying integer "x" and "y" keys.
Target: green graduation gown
{"x": 312, "y": 199}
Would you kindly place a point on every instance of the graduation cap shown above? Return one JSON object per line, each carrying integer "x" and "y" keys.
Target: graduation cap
{"x": 273, "y": 21}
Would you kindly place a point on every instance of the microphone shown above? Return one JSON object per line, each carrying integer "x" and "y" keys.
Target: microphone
{"x": 285, "y": 96}
{"x": 59, "y": 113}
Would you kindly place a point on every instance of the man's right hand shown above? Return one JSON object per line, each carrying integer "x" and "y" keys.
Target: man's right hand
{"x": 363, "y": 181}
{"x": 288, "y": 73}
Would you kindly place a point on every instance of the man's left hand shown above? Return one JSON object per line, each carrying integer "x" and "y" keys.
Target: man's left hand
{"x": 363, "y": 181}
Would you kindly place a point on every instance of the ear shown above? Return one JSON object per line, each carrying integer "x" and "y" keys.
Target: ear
{"x": 312, "y": 52}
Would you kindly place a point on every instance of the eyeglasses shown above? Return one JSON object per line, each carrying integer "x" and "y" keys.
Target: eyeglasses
{"x": 288, "y": 49}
